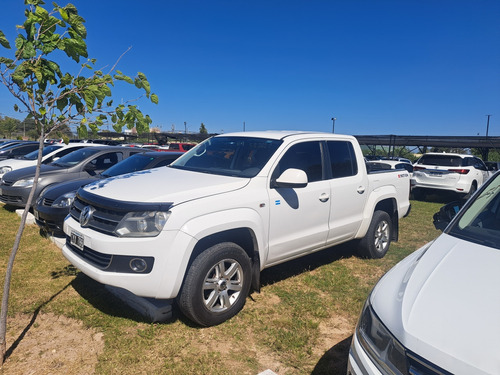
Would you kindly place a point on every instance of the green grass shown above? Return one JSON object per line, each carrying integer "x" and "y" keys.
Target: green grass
{"x": 300, "y": 323}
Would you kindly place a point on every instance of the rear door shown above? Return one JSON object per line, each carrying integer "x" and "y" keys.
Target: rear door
{"x": 348, "y": 191}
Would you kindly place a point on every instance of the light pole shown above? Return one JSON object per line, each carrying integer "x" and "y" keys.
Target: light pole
{"x": 488, "y": 124}
{"x": 333, "y": 127}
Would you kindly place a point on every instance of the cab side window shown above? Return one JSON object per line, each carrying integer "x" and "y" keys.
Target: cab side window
{"x": 305, "y": 156}
{"x": 342, "y": 159}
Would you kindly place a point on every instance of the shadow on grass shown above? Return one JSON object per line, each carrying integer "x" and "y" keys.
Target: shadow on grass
{"x": 103, "y": 300}
{"x": 106, "y": 302}
{"x": 307, "y": 263}
{"x": 16, "y": 343}
{"x": 334, "y": 361}
{"x": 439, "y": 197}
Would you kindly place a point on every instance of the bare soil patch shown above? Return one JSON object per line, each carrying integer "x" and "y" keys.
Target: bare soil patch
{"x": 51, "y": 344}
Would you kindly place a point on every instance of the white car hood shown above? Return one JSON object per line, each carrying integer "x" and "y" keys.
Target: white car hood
{"x": 17, "y": 163}
{"x": 161, "y": 185}
{"x": 445, "y": 306}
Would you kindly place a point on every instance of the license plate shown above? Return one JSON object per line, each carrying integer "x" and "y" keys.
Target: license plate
{"x": 436, "y": 173}
{"x": 77, "y": 240}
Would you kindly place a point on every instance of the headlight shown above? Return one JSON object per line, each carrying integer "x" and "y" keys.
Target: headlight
{"x": 142, "y": 224}
{"x": 64, "y": 200}
{"x": 384, "y": 350}
{"x": 4, "y": 170}
{"x": 27, "y": 182}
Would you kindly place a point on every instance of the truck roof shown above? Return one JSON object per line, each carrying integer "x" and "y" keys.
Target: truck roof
{"x": 281, "y": 134}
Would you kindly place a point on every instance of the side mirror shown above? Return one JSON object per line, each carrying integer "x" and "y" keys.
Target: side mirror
{"x": 446, "y": 213}
{"x": 291, "y": 178}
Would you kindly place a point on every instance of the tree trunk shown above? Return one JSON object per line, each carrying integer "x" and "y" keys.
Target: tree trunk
{"x": 10, "y": 264}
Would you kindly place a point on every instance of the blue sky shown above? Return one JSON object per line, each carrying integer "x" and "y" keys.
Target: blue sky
{"x": 406, "y": 67}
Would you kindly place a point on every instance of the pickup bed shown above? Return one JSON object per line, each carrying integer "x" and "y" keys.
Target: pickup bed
{"x": 201, "y": 230}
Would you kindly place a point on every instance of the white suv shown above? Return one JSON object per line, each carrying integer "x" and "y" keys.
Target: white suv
{"x": 446, "y": 171}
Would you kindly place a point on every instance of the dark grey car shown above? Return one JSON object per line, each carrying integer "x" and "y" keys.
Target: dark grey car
{"x": 53, "y": 205}
{"x": 15, "y": 186}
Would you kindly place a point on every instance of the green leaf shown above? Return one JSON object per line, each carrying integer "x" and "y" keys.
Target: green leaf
{"x": 154, "y": 98}
{"x": 16, "y": 108}
{"x": 41, "y": 12}
{"x": 64, "y": 14}
{"x": 62, "y": 103}
{"x": 3, "y": 40}
{"x": 75, "y": 48}
{"x": 6, "y": 61}
{"x": 124, "y": 78}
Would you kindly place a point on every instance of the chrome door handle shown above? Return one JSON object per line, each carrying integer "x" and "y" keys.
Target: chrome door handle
{"x": 361, "y": 189}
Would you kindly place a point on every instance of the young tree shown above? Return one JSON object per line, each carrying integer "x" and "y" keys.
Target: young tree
{"x": 53, "y": 98}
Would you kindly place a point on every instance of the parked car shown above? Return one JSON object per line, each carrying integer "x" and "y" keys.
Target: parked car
{"x": 6, "y": 142}
{"x": 397, "y": 158}
{"x": 492, "y": 166}
{"x": 15, "y": 186}
{"x": 18, "y": 149}
{"x": 201, "y": 230}
{"x": 436, "y": 312}
{"x": 379, "y": 165}
{"x": 458, "y": 173}
{"x": 176, "y": 146}
{"x": 49, "y": 154}
{"x": 54, "y": 202}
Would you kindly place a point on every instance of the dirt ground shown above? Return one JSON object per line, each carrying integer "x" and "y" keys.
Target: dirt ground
{"x": 50, "y": 344}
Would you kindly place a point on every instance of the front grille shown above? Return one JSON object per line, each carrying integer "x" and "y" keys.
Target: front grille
{"x": 420, "y": 366}
{"x": 7, "y": 182}
{"x": 10, "y": 199}
{"x": 103, "y": 220}
{"x": 47, "y": 202}
{"x": 99, "y": 260}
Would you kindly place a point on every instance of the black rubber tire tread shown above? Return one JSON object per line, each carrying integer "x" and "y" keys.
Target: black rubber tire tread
{"x": 366, "y": 246}
{"x": 190, "y": 299}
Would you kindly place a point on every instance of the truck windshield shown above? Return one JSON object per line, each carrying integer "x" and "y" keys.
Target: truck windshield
{"x": 229, "y": 156}
{"x": 480, "y": 222}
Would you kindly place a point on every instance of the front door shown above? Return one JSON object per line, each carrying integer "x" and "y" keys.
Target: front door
{"x": 299, "y": 216}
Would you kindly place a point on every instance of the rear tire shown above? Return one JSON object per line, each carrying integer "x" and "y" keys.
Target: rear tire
{"x": 216, "y": 285}
{"x": 378, "y": 237}
{"x": 472, "y": 190}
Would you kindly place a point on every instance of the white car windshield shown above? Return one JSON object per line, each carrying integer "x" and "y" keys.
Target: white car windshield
{"x": 229, "y": 156}
{"x": 480, "y": 222}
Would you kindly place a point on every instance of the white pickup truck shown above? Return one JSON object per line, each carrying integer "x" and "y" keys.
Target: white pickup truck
{"x": 201, "y": 230}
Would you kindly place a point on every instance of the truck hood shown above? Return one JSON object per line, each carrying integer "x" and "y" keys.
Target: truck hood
{"x": 443, "y": 303}
{"x": 165, "y": 184}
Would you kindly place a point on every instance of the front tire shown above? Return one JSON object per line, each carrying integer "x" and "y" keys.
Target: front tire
{"x": 378, "y": 237}
{"x": 216, "y": 284}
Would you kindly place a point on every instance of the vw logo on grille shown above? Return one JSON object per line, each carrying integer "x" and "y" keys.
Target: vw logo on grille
{"x": 86, "y": 215}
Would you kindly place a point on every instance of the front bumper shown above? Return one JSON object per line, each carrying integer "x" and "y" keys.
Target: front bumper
{"x": 14, "y": 196}
{"x": 104, "y": 257}
{"x": 50, "y": 218}
{"x": 359, "y": 363}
